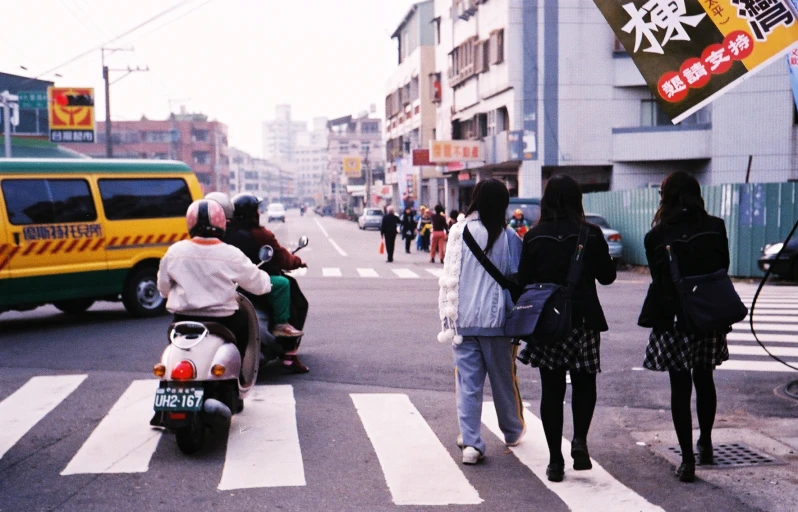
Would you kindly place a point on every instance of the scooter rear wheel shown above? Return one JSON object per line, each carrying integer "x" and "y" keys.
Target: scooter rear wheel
{"x": 190, "y": 438}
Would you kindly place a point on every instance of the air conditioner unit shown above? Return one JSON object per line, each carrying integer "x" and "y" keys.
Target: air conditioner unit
{"x": 471, "y": 7}
{"x": 462, "y": 11}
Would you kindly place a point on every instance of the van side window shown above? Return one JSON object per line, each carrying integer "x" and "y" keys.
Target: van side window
{"x": 38, "y": 201}
{"x": 126, "y": 199}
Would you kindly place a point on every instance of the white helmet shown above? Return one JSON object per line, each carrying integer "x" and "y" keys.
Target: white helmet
{"x": 224, "y": 200}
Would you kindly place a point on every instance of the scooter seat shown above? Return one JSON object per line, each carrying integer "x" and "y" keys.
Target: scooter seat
{"x": 214, "y": 328}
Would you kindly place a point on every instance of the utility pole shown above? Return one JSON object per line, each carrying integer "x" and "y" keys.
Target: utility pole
{"x": 9, "y": 103}
{"x": 109, "y": 148}
{"x": 368, "y": 177}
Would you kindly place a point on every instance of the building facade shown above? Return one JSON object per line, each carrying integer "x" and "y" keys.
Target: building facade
{"x": 310, "y": 159}
{"x": 259, "y": 177}
{"x": 546, "y": 88}
{"x": 190, "y": 138}
{"x": 353, "y": 137}
{"x": 279, "y": 135}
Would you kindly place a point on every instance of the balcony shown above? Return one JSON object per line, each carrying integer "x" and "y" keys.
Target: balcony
{"x": 661, "y": 143}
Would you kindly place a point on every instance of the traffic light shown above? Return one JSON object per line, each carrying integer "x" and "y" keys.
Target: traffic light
{"x": 74, "y": 100}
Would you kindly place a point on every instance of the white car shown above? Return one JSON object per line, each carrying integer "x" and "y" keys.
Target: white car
{"x": 275, "y": 211}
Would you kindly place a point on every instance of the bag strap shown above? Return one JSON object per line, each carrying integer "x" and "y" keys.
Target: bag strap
{"x": 484, "y": 260}
{"x": 577, "y": 260}
{"x": 672, "y": 260}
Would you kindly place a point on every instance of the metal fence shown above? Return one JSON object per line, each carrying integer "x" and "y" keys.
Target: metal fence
{"x": 755, "y": 214}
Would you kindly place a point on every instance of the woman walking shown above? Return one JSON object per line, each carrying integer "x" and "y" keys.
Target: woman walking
{"x": 546, "y": 257}
{"x": 408, "y": 227}
{"x": 699, "y": 242}
{"x": 473, "y": 307}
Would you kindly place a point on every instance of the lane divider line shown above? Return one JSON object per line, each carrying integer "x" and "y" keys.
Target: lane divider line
{"x": 335, "y": 245}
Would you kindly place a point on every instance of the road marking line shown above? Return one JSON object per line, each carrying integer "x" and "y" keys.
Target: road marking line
{"x": 771, "y": 318}
{"x": 124, "y": 441}
{"x": 437, "y": 272}
{"x": 405, "y": 273}
{"x": 321, "y": 228}
{"x": 760, "y": 306}
{"x": 756, "y": 350}
{"x": 765, "y": 326}
{"x": 263, "y": 446}
{"x": 756, "y": 366}
{"x": 24, "y": 408}
{"x": 417, "y": 467}
{"x": 581, "y": 490}
{"x": 331, "y": 272}
{"x": 297, "y": 272}
{"x": 367, "y": 272}
{"x": 763, "y": 337}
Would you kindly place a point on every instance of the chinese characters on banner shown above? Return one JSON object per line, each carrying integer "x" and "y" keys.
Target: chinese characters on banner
{"x": 792, "y": 63}
{"x": 692, "y": 51}
{"x": 443, "y": 151}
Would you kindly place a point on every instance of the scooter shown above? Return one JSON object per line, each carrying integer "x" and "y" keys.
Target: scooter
{"x": 203, "y": 378}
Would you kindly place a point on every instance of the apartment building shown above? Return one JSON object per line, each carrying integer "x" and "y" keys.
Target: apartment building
{"x": 310, "y": 158}
{"x": 546, "y": 88}
{"x": 279, "y": 135}
{"x": 410, "y": 110}
{"x": 353, "y": 136}
{"x": 271, "y": 181}
{"x": 188, "y": 137}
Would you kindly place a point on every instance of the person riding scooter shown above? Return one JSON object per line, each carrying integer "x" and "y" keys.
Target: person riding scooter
{"x": 199, "y": 277}
{"x": 248, "y": 235}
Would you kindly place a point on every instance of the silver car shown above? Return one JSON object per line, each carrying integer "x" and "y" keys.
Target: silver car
{"x": 371, "y": 218}
{"x": 612, "y": 236}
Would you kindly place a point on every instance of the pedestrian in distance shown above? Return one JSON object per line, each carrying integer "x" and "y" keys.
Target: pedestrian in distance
{"x": 452, "y": 219}
{"x": 408, "y": 227}
{"x": 425, "y": 229}
{"x": 701, "y": 246}
{"x": 475, "y": 331}
{"x": 546, "y": 257}
{"x": 388, "y": 231}
{"x": 439, "y": 231}
{"x": 420, "y": 236}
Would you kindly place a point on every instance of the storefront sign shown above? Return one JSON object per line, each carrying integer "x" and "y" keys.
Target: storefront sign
{"x": 692, "y": 51}
{"x": 442, "y": 151}
{"x": 71, "y": 114}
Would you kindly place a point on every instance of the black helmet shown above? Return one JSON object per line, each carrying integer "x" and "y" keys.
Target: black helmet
{"x": 245, "y": 208}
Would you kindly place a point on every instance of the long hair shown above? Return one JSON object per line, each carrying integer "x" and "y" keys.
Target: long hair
{"x": 679, "y": 192}
{"x": 491, "y": 199}
{"x": 562, "y": 200}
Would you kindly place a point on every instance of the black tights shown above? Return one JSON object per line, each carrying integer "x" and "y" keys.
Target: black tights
{"x": 583, "y": 403}
{"x": 706, "y": 400}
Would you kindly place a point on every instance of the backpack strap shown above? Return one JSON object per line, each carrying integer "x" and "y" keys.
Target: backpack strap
{"x": 577, "y": 260}
{"x": 676, "y": 276}
{"x": 483, "y": 259}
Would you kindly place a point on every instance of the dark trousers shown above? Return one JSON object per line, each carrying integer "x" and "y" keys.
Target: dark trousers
{"x": 238, "y": 323}
{"x": 408, "y": 241}
{"x": 390, "y": 242}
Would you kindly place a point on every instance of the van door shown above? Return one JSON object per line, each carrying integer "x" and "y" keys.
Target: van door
{"x": 57, "y": 238}
{"x": 6, "y": 246}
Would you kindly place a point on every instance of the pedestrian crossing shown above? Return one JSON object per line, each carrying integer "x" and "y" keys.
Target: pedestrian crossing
{"x": 776, "y": 324}
{"x": 392, "y": 273}
{"x": 264, "y": 449}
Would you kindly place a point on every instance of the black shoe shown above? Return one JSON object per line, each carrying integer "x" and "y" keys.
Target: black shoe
{"x": 555, "y": 472}
{"x": 432, "y": 260}
{"x": 580, "y": 455}
{"x": 706, "y": 455}
{"x": 686, "y": 472}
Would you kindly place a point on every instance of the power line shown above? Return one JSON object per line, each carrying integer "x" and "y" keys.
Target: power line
{"x": 169, "y": 22}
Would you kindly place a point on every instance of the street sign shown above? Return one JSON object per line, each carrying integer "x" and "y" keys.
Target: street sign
{"x": 31, "y": 100}
{"x": 71, "y": 114}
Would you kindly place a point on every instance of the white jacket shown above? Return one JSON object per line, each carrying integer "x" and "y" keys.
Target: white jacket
{"x": 198, "y": 277}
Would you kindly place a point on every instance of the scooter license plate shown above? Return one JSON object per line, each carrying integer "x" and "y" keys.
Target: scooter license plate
{"x": 178, "y": 399}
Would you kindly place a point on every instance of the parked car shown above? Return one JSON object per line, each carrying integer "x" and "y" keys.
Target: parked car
{"x": 371, "y": 218}
{"x": 275, "y": 211}
{"x": 530, "y": 207}
{"x": 612, "y": 236}
{"x": 787, "y": 265}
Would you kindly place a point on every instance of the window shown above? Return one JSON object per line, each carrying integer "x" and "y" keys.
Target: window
{"x": 481, "y": 57}
{"x": 250, "y": 175}
{"x": 435, "y": 87}
{"x": 201, "y": 157}
{"x": 651, "y": 114}
{"x": 414, "y": 88}
{"x": 204, "y": 178}
{"x": 497, "y": 46}
{"x": 126, "y": 199}
{"x": 364, "y": 147}
{"x": 158, "y": 136}
{"x": 200, "y": 136}
{"x": 343, "y": 146}
{"x": 251, "y": 187}
{"x": 48, "y": 201}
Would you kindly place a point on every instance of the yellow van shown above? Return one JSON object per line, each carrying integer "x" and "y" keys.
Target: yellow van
{"x": 75, "y": 231}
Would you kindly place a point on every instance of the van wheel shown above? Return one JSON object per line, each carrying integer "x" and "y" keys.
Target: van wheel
{"x": 141, "y": 297}
{"x": 74, "y": 307}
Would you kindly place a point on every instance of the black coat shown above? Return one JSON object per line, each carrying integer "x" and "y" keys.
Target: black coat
{"x": 546, "y": 256}
{"x": 390, "y": 223}
{"x": 701, "y": 247}
{"x": 408, "y": 224}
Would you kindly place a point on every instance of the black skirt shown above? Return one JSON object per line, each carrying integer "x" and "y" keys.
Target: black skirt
{"x": 674, "y": 350}
{"x": 579, "y": 352}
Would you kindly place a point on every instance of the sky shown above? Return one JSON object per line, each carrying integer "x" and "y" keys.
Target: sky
{"x": 233, "y": 60}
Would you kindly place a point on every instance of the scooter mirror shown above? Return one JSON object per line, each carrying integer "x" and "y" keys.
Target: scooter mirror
{"x": 266, "y": 253}
{"x": 303, "y": 241}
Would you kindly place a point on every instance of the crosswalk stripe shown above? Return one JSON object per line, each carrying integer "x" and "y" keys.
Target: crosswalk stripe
{"x": 23, "y": 409}
{"x": 367, "y": 272}
{"x": 756, "y": 366}
{"x": 123, "y": 442}
{"x": 417, "y": 467}
{"x": 437, "y": 272}
{"x": 405, "y": 273}
{"x": 766, "y": 326}
{"x": 263, "y": 446}
{"x": 770, "y": 318}
{"x": 331, "y": 272}
{"x": 763, "y": 337}
{"x": 582, "y": 491}
{"x": 756, "y": 350}
{"x": 761, "y": 306}
{"x": 298, "y": 272}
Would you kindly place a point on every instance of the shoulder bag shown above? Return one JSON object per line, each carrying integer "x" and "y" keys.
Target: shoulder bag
{"x": 709, "y": 301}
{"x": 542, "y": 315}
